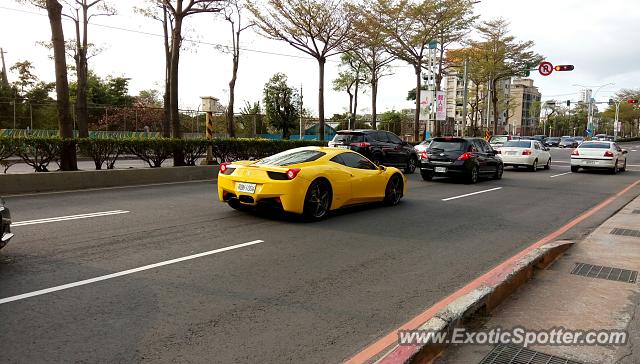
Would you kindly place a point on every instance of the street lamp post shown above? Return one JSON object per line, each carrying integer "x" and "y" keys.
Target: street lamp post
{"x": 615, "y": 124}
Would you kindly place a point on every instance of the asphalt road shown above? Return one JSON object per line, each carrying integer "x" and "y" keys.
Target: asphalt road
{"x": 310, "y": 292}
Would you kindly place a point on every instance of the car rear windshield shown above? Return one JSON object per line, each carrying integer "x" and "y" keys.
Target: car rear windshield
{"x": 348, "y": 138}
{"x": 498, "y": 139}
{"x": 567, "y": 139}
{"x": 518, "y": 144}
{"x": 594, "y": 145}
{"x": 448, "y": 145}
{"x": 288, "y": 157}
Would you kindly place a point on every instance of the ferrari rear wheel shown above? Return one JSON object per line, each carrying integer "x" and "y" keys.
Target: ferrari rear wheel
{"x": 393, "y": 192}
{"x": 317, "y": 201}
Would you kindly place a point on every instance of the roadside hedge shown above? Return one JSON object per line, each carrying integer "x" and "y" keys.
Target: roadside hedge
{"x": 39, "y": 152}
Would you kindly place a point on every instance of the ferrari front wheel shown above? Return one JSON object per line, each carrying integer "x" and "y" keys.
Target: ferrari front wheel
{"x": 317, "y": 201}
{"x": 393, "y": 192}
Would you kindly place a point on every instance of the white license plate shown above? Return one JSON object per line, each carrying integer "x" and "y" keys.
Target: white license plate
{"x": 342, "y": 146}
{"x": 441, "y": 170}
{"x": 511, "y": 153}
{"x": 246, "y": 187}
{"x": 589, "y": 162}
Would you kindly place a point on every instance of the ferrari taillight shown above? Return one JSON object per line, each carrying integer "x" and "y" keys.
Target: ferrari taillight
{"x": 608, "y": 153}
{"x": 224, "y": 166}
{"x": 292, "y": 173}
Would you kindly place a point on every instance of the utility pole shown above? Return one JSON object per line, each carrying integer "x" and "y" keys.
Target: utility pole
{"x": 465, "y": 96}
{"x": 300, "y": 111}
{"x": 3, "y": 76}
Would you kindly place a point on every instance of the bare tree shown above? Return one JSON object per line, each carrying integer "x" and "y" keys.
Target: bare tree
{"x": 233, "y": 14}
{"x": 159, "y": 11}
{"x": 316, "y": 27}
{"x": 177, "y": 11}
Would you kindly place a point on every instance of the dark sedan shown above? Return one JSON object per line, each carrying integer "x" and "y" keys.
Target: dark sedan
{"x": 5, "y": 224}
{"x": 568, "y": 142}
{"x": 552, "y": 142}
{"x": 468, "y": 158}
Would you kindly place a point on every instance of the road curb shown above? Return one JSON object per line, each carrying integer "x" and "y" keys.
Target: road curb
{"x": 482, "y": 299}
{"x": 20, "y": 183}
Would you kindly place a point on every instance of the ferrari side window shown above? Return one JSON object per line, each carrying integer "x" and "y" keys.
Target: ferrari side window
{"x": 354, "y": 160}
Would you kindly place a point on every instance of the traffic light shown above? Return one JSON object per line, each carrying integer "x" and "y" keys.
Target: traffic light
{"x": 568, "y": 103}
{"x": 632, "y": 101}
{"x": 564, "y": 67}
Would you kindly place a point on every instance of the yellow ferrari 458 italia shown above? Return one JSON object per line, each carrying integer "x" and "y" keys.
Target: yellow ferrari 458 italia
{"x": 310, "y": 181}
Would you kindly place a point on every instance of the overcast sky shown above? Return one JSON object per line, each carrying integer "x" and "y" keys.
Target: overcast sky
{"x": 599, "y": 38}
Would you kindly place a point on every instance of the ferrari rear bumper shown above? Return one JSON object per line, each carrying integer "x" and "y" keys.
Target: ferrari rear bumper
{"x": 289, "y": 194}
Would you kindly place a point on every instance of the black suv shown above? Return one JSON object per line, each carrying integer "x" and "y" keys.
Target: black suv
{"x": 381, "y": 147}
{"x": 469, "y": 158}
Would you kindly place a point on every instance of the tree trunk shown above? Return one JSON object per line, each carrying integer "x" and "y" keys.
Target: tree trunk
{"x": 176, "y": 37}
{"x": 374, "y": 98}
{"x": 321, "y": 62}
{"x": 82, "y": 114}
{"x": 231, "y": 130}
{"x": 68, "y": 160}
{"x": 494, "y": 102}
{"x": 355, "y": 100}
{"x": 350, "y": 102}
{"x": 416, "y": 125}
{"x": 166, "y": 123}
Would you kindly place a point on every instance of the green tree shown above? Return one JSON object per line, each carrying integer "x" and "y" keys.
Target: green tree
{"x": 318, "y": 28}
{"x": 501, "y": 56}
{"x": 282, "y": 104}
{"x": 408, "y": 28}
{"x": 369, "y": 48}
{"x": 354, "y": 73}
{"x": 26, "y": 78}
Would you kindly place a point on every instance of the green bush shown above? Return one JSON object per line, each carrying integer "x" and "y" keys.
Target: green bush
{"x": 101, "y": 151}
{"x": 152, "y": 151}
{"x": 38, "y": 152}
{"x": 193, "y": 149}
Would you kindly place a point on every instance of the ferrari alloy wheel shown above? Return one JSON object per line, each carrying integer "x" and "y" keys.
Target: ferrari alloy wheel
{"x": 393, "y": 192}
{"x": 317, "y": 201}
{"x": 411, "y": 165}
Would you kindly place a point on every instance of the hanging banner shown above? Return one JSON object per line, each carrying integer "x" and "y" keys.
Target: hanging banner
{"x": 441, "y": 106}
{"x": 425, "y": 103}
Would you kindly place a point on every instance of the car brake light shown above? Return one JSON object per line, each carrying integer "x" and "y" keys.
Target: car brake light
{"x": 608, "y": 153}
{"x": 575, "y": 152}
{"x": 292, "y": 173}
{"x": 526, "y": 152}
{"x": 464, "y": 156}
{"x": 223, "y": 167}
{"x": 424, "y": 155}
{"x": 361, "y": 144}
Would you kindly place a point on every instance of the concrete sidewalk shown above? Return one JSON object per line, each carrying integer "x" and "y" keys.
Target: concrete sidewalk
{"x": 557, "y": 298}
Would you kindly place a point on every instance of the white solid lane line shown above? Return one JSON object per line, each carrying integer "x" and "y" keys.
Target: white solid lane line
{"x": 71, "y": 217}
{"x": 558, "y": 175}
{"x": 123, "y": 273}
{"x": 471, "y": 194}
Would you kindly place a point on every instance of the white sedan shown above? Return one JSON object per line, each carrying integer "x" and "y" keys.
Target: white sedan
{"x": 599, "y": 154}
{"x": 527, "y": 153}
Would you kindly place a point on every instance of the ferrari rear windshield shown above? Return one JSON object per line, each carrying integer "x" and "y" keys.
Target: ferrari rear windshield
{"x": 289, "y": 157}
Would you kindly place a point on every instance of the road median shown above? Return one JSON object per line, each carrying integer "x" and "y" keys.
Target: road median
{"x": 13, "y": 184}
